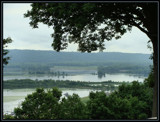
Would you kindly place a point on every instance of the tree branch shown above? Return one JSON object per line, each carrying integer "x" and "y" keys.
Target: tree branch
{"x": 138, "y": 26}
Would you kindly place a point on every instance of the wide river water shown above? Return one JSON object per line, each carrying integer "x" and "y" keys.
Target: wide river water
{"x": 82, "y": 77}
{"x": 13, "y": 98}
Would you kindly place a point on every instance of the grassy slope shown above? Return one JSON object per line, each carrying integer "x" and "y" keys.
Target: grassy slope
{"x": 85, "y": 99}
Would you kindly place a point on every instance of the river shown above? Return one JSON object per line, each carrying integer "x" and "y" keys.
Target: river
{"x": 82, "y": 77}
{"x": 13, "y": 98}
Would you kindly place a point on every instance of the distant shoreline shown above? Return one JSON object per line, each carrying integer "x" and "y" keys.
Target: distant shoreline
{"x": 79, "y": 51}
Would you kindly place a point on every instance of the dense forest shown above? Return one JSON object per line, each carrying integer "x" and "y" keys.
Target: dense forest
{"x": 53, "y": 57}
{"x": 130, "y": 69}
{"x": 28, "y": 83}
{"x": 32, "y": 62}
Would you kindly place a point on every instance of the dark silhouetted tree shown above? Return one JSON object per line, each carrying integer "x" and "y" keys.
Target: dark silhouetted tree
{"x": 5, "y": 51}
{"x": 90, "y": 24}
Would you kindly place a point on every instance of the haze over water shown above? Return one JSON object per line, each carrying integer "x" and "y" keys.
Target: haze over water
{"x": 83, "y": 77}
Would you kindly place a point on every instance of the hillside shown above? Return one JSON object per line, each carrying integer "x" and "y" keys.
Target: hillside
{"x": 59, "y": 58}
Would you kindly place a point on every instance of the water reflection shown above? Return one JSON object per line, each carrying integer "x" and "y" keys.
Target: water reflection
{"x": 100, "y": 76}
{"x": 83, "y": 77}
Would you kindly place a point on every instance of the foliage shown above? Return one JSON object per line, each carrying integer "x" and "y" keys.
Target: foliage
{"x": 131, "y": 69}
{"x": 73, "y": 108}
{"x": 97, "y": 106}
{"x": 8, "y": 117}
{"x": 31, "y": 62}
{"x": 138, "y": 92}
{"x": 129, "y": 102}
{"x": 150, "y": 80}
{"x": 90, "y": 24}
{"x": 35, "y": 59}
{"x": 48, "y": 83}
{"x": 132, "y": 101}
{"x": 5, "y": 52}
{"x": 85, "y": 99}
{"x": 40, "y": 105}
{"x": 47, "y": 105}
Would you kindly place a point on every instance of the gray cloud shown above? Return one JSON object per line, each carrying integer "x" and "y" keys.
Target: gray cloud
{"x": 136, "y": 41}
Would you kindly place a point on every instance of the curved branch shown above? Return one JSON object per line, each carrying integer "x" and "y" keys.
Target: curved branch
{"x": 138, "y": 26}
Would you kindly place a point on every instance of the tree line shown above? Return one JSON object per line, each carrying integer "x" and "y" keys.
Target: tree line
{"x": 118, "y": 68}
{"x": 48, "y": 83}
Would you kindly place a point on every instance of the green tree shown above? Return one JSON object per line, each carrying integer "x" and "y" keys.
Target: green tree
{"x": 47, "y": 105}
{"x": 149, "y": 81}
{"x": 90, "y": 24}
{"x": 126, "y": 103}
{"x": 40, "y": 105}
{"x": 5, "y": 52}
{"x": 98, "y": 106}
{"x": 73, "y": 108}
{"x": 137, "y": 91}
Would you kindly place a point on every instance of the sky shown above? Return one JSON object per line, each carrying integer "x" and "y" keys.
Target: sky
{"x": 25, "y": 37}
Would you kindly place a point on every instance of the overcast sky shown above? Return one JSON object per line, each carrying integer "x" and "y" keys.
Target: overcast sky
{"x": 25, "y": 37}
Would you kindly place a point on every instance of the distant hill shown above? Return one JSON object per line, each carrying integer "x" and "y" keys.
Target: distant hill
{"x": 53, "y": 57}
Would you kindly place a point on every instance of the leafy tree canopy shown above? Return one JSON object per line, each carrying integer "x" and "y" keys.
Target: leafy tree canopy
{"x": 125, "y": 103}
{"x": 40, "y": 105}
{"x": 150, "y": 79}
{"x": 47, "y": 105}
{"x": 90, "y": 24}
{"x": 5, "y": 52}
